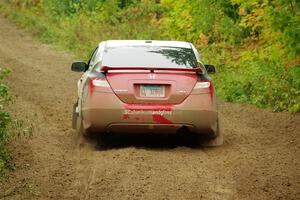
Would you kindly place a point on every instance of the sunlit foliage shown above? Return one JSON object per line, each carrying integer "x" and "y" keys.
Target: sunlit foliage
{"x": 254, "y": 43}
{"x": 4, "y": 119}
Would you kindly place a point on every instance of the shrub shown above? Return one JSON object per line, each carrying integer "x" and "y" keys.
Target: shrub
{"x": 253, "y": 43}
{"x": 4, "y": 119}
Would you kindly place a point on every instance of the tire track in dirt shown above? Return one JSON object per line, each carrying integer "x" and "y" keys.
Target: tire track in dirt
{"x": 259, "y": 160}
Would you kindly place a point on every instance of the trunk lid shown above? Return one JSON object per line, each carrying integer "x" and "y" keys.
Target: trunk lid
{"x": 152, "y": 86}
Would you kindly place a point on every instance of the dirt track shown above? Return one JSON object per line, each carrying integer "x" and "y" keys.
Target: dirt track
{"x": 259, "y": 160}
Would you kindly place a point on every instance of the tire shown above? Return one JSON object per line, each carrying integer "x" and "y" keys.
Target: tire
{"x": 74, "y": 116}
{"x": 82, "y": 135}
{"x": 216, "y": 141}
{"x": 79, "y": 126}
{"x": 103, "y": 141}
{"x": 77, "y": 122}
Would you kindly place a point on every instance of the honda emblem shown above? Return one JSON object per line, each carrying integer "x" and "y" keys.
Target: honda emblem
{"x": 152, "y": 76}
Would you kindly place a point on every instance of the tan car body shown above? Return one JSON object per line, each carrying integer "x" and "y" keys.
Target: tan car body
{"x": 115, "y": 103}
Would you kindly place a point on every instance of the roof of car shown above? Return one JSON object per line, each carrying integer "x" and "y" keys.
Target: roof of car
{"x": 123, "y": 43}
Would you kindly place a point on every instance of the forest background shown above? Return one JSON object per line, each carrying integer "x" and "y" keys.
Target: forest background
{"x": 255, "y": 44}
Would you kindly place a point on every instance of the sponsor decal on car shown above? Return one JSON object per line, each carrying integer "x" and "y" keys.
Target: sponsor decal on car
{"x": 148, "y": 112}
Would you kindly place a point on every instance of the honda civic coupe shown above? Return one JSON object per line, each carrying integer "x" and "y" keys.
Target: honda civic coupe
{"x": 138, "y": 86}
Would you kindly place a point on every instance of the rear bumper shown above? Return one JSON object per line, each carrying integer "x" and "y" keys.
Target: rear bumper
{"x": 105, "y": 112}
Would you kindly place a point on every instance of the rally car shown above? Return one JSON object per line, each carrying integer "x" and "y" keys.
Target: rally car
{"x": 146, "y": 86}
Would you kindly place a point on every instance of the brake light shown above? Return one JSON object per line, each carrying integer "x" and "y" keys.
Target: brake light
{"x": 98, "y": 82}
{"x": 204, "y": 86}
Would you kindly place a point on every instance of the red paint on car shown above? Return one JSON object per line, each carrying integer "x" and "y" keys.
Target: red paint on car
{"x": 161, "y": 119}
{"x": 125, "y": 116}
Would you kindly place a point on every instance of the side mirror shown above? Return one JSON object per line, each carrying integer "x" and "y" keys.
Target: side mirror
{"x": 210, "y": 69}
{"x": 79, "y": 66}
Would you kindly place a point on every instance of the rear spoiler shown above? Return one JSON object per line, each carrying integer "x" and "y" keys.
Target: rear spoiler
{"x": 105, "y": 69}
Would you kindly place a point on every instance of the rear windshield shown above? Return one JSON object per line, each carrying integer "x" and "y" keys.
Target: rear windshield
{"x": 149, "y": 56}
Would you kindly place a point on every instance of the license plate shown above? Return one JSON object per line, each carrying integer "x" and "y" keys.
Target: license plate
{"x": 152, "y": 91}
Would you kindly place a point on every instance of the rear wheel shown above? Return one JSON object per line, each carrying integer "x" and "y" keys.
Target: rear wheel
{"x": 217, "y": 140}
{"x": 77, "y": 122}
{"x": 74, "y": 116}
{"x": 79, "y": 127}
{"x": 103, "y": 141}
{"x": 82, "y": 133}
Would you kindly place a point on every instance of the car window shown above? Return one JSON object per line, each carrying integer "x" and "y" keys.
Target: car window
{"x": 149, "y": 56}
{"x": 98, "y": 56}
{"x": 195, "y": 52}
{"x": 92, "y": 59}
